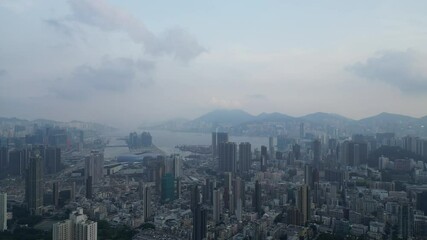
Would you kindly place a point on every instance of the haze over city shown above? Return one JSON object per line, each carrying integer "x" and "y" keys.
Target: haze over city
{"x": 213, "y": 120}
{"x": 135, "y": 62}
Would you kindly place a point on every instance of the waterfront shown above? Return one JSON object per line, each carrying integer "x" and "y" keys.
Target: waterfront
{"x": 167, "y": 140}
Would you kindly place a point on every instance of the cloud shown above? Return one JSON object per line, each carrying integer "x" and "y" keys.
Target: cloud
{"x": 395, "y": 68}
{"x": 3, "y": 72}
{"x": 257, "y": 96}
{"x": 175, "y": 42}
{"x": 116, "y": 75}
{"x": 17, "y": 6}
{"x": 59, "y": 26}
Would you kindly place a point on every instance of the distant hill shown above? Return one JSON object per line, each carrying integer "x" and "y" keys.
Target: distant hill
{"x": 327, "y": 118}
{"x": 273, "y": 117}
{"x": 239, "y": 122}
{"x": 228, "y": 117}
{"x": 388, "y": 118}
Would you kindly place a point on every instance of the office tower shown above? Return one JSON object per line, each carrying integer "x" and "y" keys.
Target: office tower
{"x": 168, "y": 188}
{"x": 245, "y": 157}
{"x": 256, "y": 199}
{"x": 301, "y": 131}
{"x": 308, "y": 175}
{"x": 421, "y": 203}
{"x": 271, "y": 147}
{"x": 228, "y": 192}
{"x": 296, "y": 149}
{"x": 157, "y": 170}
{"x": 227, "y": 157}
{"x": 141, "y": 190}
{"x": 94, "y": 166}
{"x": 291, "y": 158}
{"x": 264, "y": 158}
{"x": 133, "y": 141}
{"x": 55, "y": 194}
{"x": 63, "y": 230}
{"x": 216, "y": 205}
{"x": 283, "y": 143}
{"x": 304, "y": 202}
{"x": 176, "y": 167}
{"x": 34, "y": 185}
{"x": 3, "y": 212}
{"x": 146, "y": 139}
{"x": 317, "y": 151}
{"x": 52, "y": 160}
{"x": 178, "y": 188}
{"x": 89, "y": 187}
{"x": 17, "y": 161}
{"x": 147, "y": 208}
{"x": 404, "y": 220}
{"x": 73, "y": 192}
{"x": 264, "y": 152}
{"x": 353, "y": 153}
{"x": 195, "y": 197}
{"x": 294, "y": 216}
{"x": 217, "y": 138}
{"x": 207, "y": 192}
{"x": 238, "y": 192}
{"x": 4, "y": 161}
{"x": 199, "y": 222}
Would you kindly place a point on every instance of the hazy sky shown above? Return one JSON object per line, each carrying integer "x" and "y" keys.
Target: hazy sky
{"x": 132, "y": 62}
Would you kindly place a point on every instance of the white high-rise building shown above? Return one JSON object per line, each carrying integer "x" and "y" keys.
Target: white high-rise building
{"x": 86, "y": 230}
{"x": 63, "y": 230}
{"x": 77, "y": 227}
{"x": 3, "y": 211}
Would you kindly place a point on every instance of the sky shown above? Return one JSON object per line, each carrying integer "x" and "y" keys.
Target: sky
{"x": 135, "y": 62}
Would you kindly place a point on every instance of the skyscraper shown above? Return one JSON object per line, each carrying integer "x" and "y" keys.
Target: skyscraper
{"x": 256, "y": 199}
{"x": 227, "y": 157}
{"x": 199, "y": 222}
{"x": 176, "y": 167}
{"x": 52, "y": 159}
{"x": 296, "y": 149}
{"x": 317, "y": 152}
{"x": 238, "y": 193}
{"x": 168, "y": 188}
{"x": 271, "y": 147}
{"x": 217, "y": 138}
{"x": 147, "y": 209}
{"x": 94, "y": 166}
{"x": 228, "y": 192}
{"x": 55, "y": 194}
{"x": 89, "y": 187}
{"x": 308, "y": 175}
{"x": 34, "y": 185}
{"x": 216, "y": 205}
{"x": 3, "y": 211}
{"x": 353, "y": 153}
{"x": 304, "y": 202}
{"x": 301, "y": 131}
{"x": 245, "y": 157}
{"x": 4, "y": 161}
{"x": 195, "y": 197}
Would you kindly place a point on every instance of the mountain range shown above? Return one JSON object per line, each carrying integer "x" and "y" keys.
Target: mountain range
{"x": 240, "y": 122}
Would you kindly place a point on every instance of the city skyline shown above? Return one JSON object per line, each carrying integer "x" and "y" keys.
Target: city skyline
{"x": 151, "y": 63}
